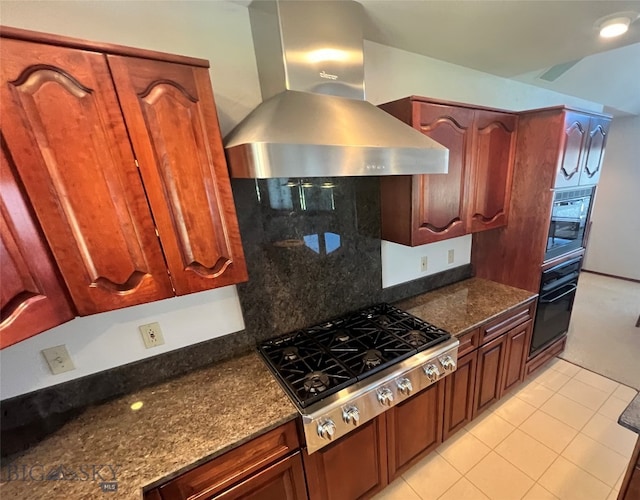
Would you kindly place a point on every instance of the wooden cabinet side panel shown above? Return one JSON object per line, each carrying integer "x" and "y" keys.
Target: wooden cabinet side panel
{"x": 353, "y": 467}
{"x": 32, "y": 296}
{"x": 489, "y": 374}
{"x": 170, "y": 113}
{"x": 493, "y": 157}
{"x": 62, "y": 122}
{"x": 414, "y": 428}
{"x": 459, "y": 393}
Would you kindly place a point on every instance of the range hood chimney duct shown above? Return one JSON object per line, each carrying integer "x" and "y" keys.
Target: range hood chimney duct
{"x": 314, "y": 121}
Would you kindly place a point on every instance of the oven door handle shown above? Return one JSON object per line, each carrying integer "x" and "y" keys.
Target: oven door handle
{"x": 543, "y": 300}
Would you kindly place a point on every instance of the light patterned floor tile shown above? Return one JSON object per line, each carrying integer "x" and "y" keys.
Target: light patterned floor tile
{"x": 565, "y": 367}
{"x": 490, "y": 428}
{"x": 552, "y": 379}
{"x": 564, "y": 409}
{"x": 398, "y": 490}
{"x": 598, "y": 381}
{"x": 613, "y": 495}
{"x": 619, "y": 482}
{"x": 600, "y": 461}
{"x": 534, "y": 394}
{"x": 610, "y": 434}
{"x": 526, "y": 453}
{"x": 584, "y": 394}
{"x": 463, "y": 451}
{"x": 431, "y": 477}
{"x": 625, "y": 393}
{"x": 498, "y": 479}
{"x": 613, "y": 408}
{"x": 539, "y": 493}
{"x": 463, "y": 490}
{"x": 514, "y": 410}
{"x": 549, "y": 431}
{"x": 569, "y": 482}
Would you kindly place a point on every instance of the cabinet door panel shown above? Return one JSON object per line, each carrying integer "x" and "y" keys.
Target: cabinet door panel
{"x": 171, "y": 116}
{"x": 32, "y": 297}
{"x": 414, "y": 428}
{"x": 489, "y": 374}
{"x": 598, "y": 131}
{"x": 458, "y": 395}
{"x": 62, "y": 122}
{"x": 517, "y": 349}
{"x": 493, "y": 156}
{"x": 439, "y": 199}
{"x": 576, "y": 129}
{"x": 354, "y": 467}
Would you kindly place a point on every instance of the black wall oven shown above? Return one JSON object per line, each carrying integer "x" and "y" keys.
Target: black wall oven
{"x": 569, "y": 216}
{"x": 557, "y": 292}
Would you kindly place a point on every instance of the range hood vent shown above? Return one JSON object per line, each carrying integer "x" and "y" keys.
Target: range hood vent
{"x": 314, "y": 121}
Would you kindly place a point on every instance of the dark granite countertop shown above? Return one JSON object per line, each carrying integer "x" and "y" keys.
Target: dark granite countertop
{"x": 464, "y": 305}
{"x": 630, "y": 417}
{"x": 182, "y": 423}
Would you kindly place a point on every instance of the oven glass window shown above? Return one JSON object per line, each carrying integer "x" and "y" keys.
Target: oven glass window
{"x": 568, "y": 221}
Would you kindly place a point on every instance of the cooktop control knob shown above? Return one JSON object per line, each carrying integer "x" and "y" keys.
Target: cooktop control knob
{"x": 351, "y": 415}
{"x": 448, "y": 363}
{"x": 385, "y": 396}
{"x": 404, "y": 386}
{"x": 326, "y": 429}
{"x": 432, "y": 372}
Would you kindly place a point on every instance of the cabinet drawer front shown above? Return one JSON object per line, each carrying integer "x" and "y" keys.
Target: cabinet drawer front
{"x": 506, "y": 322}
{"x": 468, "y": 342}
{"x": 234, "y": 466}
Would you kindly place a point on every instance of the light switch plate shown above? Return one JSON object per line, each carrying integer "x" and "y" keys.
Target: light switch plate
{"x": 58, "y": 359}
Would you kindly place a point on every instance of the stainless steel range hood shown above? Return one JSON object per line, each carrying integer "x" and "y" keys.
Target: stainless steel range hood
{"x": 314, "y": 121}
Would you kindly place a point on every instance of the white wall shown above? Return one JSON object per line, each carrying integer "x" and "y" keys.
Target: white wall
{"x": 614, "y": 244}
{"x": 391, "y": 74}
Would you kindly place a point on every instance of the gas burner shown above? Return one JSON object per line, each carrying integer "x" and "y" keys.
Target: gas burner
{"x": 316, "y": 382}
{"x": 372, "y": 358}
{"x": 383, "y": 320}
{"x": 290, "y": 353}
{"x": 341, "y": 336}
{"x": 416, "y": 338}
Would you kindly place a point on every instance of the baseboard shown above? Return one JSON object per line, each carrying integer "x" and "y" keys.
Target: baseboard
{"x": 610, "y": 275}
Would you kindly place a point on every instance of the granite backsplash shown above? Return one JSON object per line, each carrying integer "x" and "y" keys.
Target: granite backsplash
{"x": 312, "y": 248}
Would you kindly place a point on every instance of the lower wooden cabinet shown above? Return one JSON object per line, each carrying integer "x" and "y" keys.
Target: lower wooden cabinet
{"x": 458, "y": 395}
{"x": 352, "y": 468}
{"x": 414, "y": 428}
{"x": 630, "y": 488}
{"x": 518, "y": 341}
{"x": 489, "y": 374}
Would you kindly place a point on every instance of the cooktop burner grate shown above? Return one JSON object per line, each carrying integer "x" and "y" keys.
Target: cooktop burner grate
{"x": 323, "y": 359}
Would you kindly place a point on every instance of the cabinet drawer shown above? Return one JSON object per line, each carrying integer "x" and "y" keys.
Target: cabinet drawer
{"x": 506, "y": 322}
{"x": 468, "y": 342}
{"x": 234, "y": 466}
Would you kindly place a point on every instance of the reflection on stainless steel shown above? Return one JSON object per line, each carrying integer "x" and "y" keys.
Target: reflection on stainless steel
{"x": 314, "y": 121}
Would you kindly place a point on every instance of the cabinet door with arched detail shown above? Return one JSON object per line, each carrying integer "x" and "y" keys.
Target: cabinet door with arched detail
{"x": 493, "y": 157}
{"x": 574, "y": 144}
{"x": 598, "y": 131}
{"x": 63, "y": 125}
{"x": 170, "y": 113}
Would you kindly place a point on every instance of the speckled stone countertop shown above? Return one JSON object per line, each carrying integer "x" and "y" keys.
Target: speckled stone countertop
{"x": 183, "y": 422}
{"x": 464, "y": 305}
{"x": 630, "y": 417}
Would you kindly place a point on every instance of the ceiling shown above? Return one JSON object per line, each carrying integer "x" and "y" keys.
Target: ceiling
{"x": 521, "y": 39}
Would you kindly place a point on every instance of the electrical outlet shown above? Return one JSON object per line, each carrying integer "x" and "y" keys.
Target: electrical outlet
{"x": 58, "y": 359}
{"x": 423, "y": 263}
{"x": 450, "y": 256}
{"x": 151, "y": 335}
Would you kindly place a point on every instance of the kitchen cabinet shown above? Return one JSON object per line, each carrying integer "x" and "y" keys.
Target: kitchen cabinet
{"x": 122, "y": 159}
{"x": 630, "y": 487}
{"x": 353, "y": 467}
{"x": 33, "y": 298}
{"x": 489, "y": 374}
{"x": 269, "y": 467}
{"x": 517, "y": 350}
{"x": 473, "y": 195}
{"x": 459, "y": 392}
{"x": 414, "y": 428}
{"x": 598, "y": 132}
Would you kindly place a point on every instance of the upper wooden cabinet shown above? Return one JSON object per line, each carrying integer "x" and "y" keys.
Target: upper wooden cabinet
{"x": 584, "y": 139}
{"x": 473, "y": 195}
{"x": 77, "y": 124}
{"x": 32, "y": 296}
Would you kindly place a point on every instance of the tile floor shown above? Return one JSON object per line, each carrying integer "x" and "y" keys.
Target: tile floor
{"x": 555, "y": 437}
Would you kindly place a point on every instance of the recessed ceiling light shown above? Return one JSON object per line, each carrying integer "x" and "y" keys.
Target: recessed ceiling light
{"x": 614, "y": 27}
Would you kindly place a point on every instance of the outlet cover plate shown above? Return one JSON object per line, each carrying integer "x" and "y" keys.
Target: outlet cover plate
{"x": 450, "y": 256}
{"x": 151, "y": 335}
{"x": 58, "y": 359}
